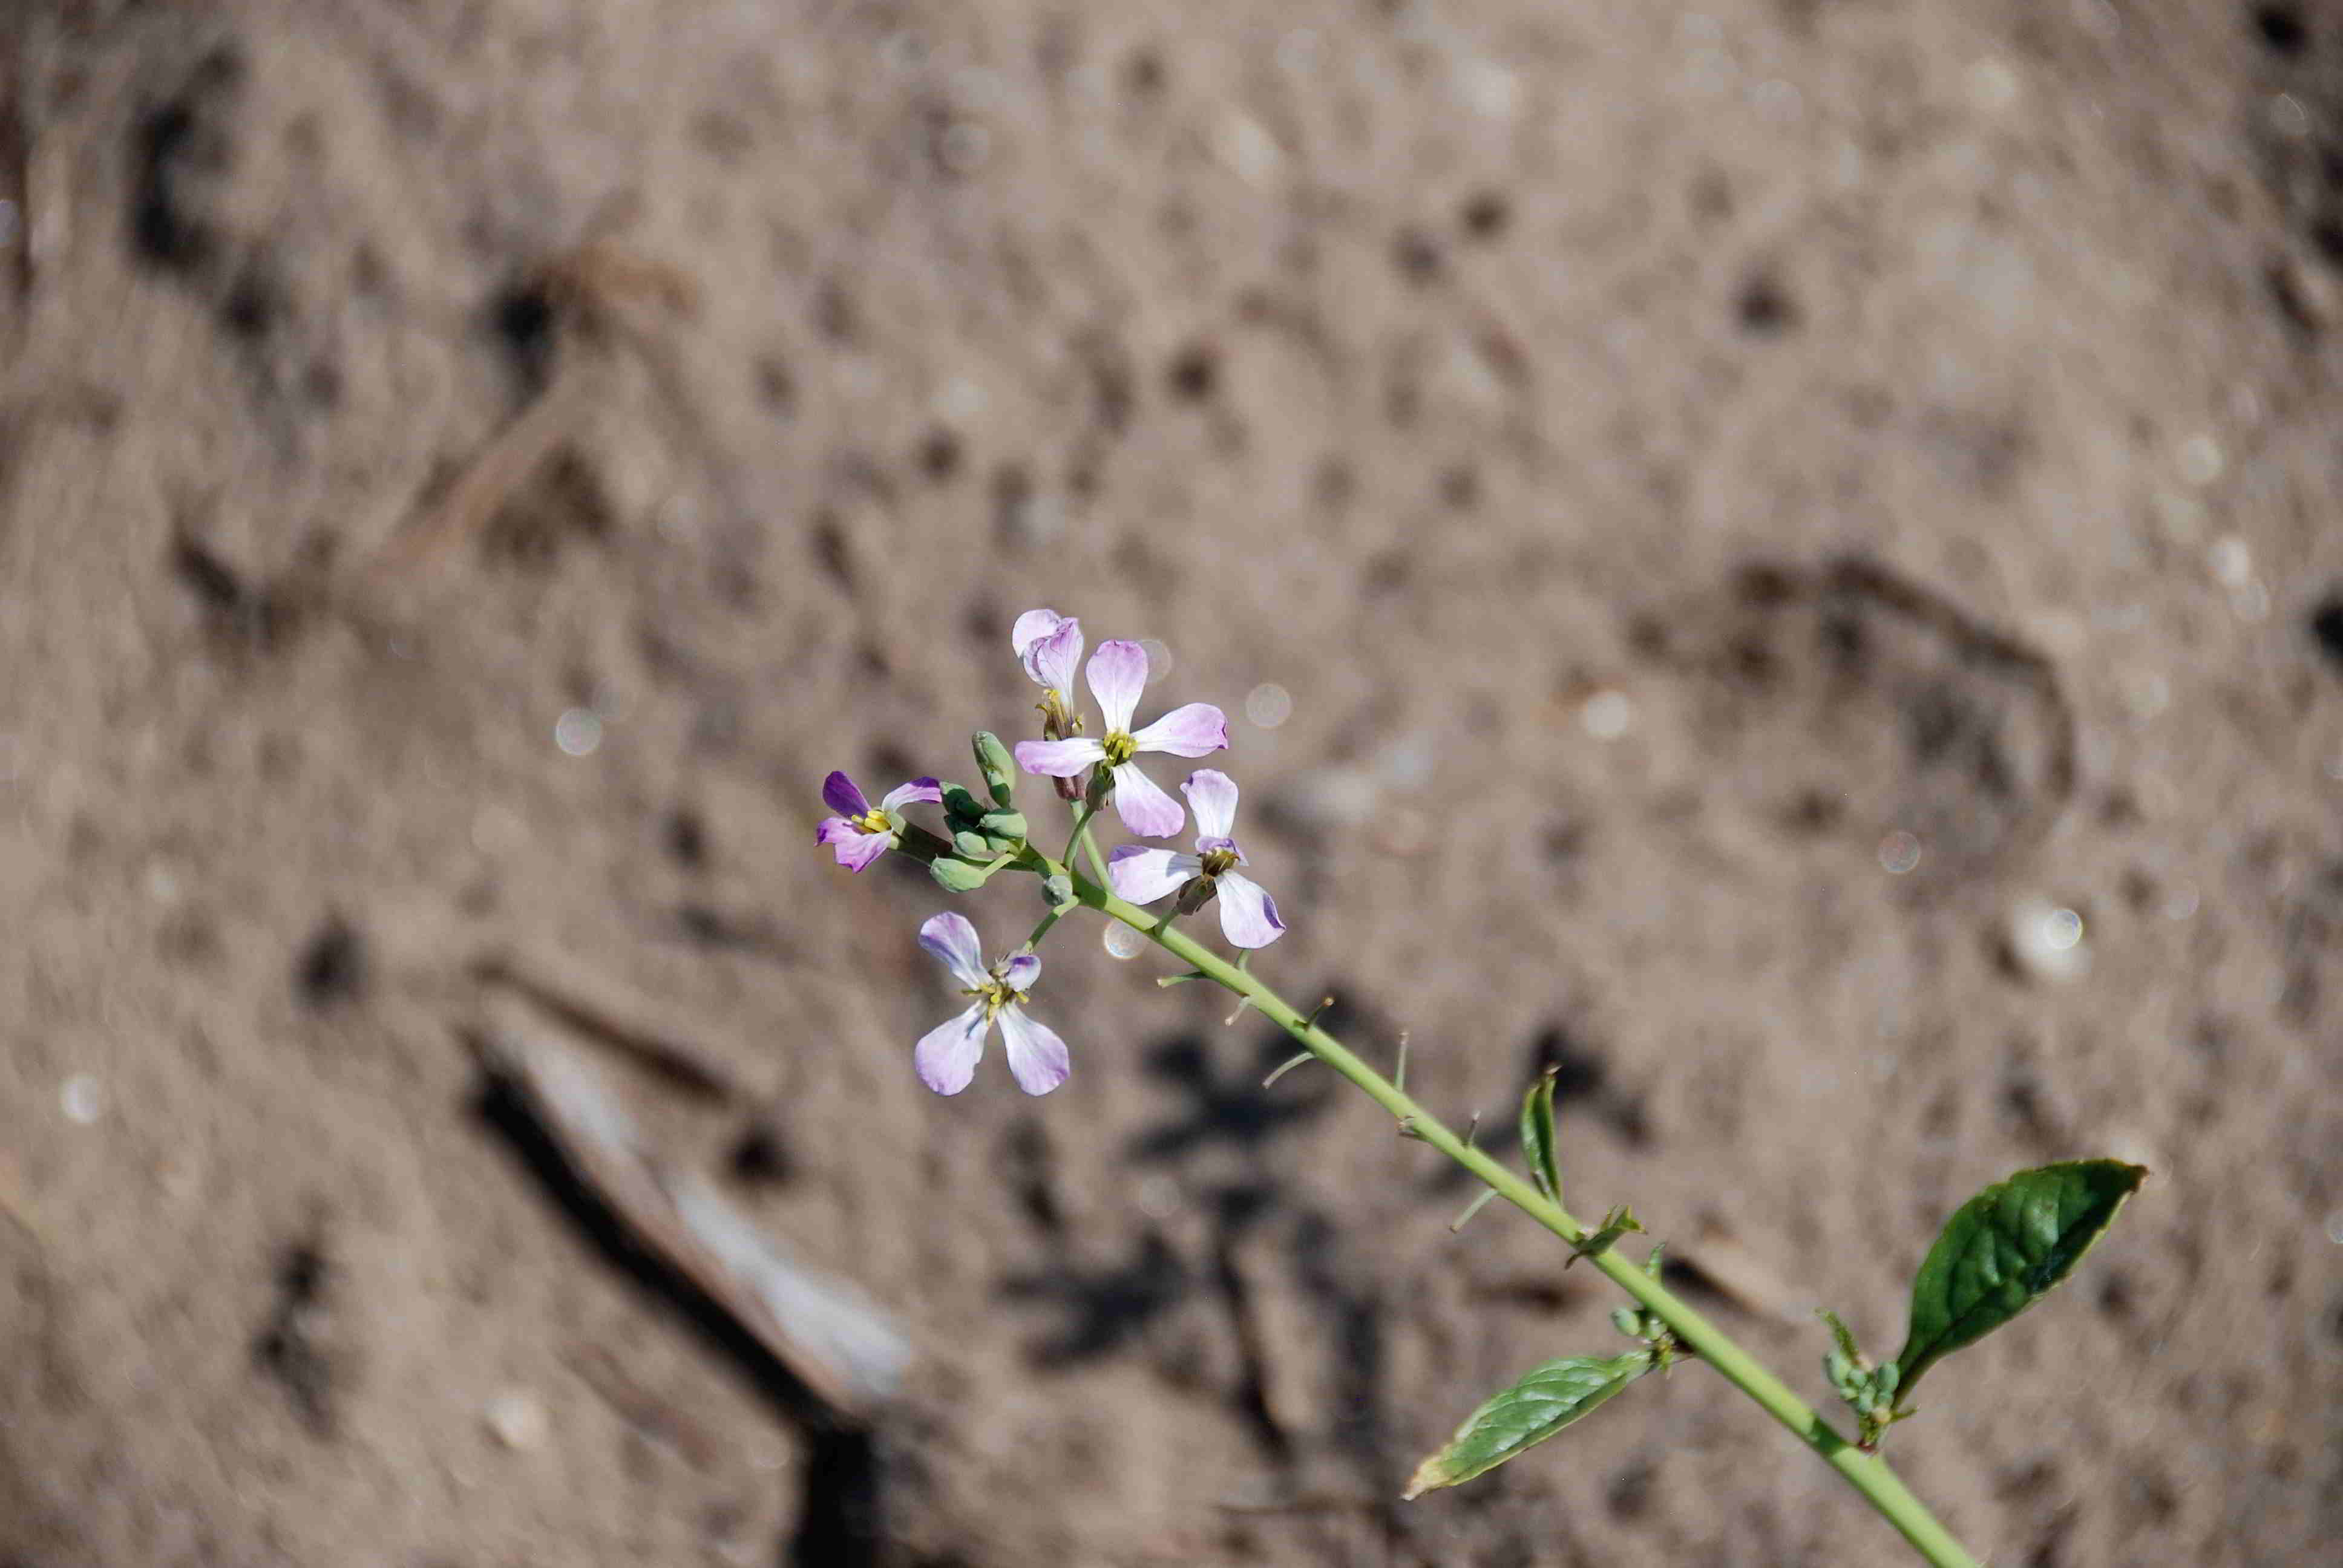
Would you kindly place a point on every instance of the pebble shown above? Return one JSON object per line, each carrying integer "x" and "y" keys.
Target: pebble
{"x": 517, "y": 1419}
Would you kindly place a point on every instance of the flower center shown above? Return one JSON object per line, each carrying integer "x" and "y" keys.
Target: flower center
{"x": 995, "y": 994}
{"x": 1119, "y": 748}
{"x": 1219, "y": 860}
{"x": 874, "y": 820}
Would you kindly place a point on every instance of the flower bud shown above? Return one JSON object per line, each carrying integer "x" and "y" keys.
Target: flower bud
{"x": 972, "y": 844}
{"x": 1008, "y": 825}
{"x": 1058, "y": 890}
{"x": 956, "y": 876}
{"x": 1628, "y": 1321}
{"x": 962, "y": 807}
{"x": 999, "y": 773}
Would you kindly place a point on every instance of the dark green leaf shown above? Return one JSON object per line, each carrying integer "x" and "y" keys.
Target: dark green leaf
{"x": 2002, "y": 1249}
{"x": 1526, "y": 1414}
{"x": 1537, "y": 1136}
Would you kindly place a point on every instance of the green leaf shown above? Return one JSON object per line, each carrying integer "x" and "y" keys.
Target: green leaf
{"x": 1537, "y": 1136}
{"x": 1526, "y": 1414}
{"x": 2002, "y": 1249}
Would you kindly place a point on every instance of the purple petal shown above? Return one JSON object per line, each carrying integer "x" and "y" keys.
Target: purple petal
{"x": 1197, "y": 729}
{"x": 835, "y": 831}
{"x": 1031, "y": 628}
{"x": 861, "y": 849}
{"x": 1037, "y": 1056}
{"x": 1118, "y": 674}
{"x": 951, "y": 941}
{"x": 1212, "y": 796}
{"x": 1145, "y": 810}
{"x": 1052, "y": 660}
{"x": 1059, "y": 758}
{"x": 1020, "y": 973}
{"x": 1248, "y": 914}
{"x": 1141, "y": 876}
{"x": 947, "y": 1054}
{"x": 916, "y": 790}
{"x": 838, "y": 793}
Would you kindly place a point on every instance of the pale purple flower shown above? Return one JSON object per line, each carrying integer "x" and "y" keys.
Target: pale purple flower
{"x": 1050, "y": 645}
{"x": 947, "y": 1054}
{"x": 1117, "y": 673}
{"x": 861, "y": 832}
{"x": 1248, "y": 914}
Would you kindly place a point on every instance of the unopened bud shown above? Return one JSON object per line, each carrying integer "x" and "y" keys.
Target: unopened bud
{"x": 972, "y": 844}
{"x": 962, "y": 807}
{"x": 1058, "y": 890}
{"x": 993, "y": 757}
{"x": 1008, "y": 825}
{"x": 1628, "y": 1321}
{"x": 956, "y": 876}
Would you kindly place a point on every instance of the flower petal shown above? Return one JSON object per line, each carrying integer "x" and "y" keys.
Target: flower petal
{"x": 918, "y": 790}
{"x": 1031, "y": 628}
{"x": 1020, "y": 971}
{"x": 1212, "y": 796}
{"x": 1145, "y": 810}
{"x": 1052, "y": 661}
{"x": 859, "y": 849}
{"x": 951, "y": 941}
{"x": 947, "y": 1055}
{"x": 1118, "y": 673}
{"x": 1141, "y": 876}
{"x": 1037, "y": 1056}
{"x": 838, "y": 793}
{"x": 1197, "y": 729}
{"x": 834, "y": 830}
{"x": 1059, "y": 758}
{"x": 1248, "y": 914}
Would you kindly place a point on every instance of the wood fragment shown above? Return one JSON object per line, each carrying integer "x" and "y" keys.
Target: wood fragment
{"x": 590, "y": 999}
{"x": 845, "y": 1349}
{"x": 500, "y": 471}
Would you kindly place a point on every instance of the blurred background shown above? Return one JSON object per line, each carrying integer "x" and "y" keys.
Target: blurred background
{"x": 1778, "y": 557}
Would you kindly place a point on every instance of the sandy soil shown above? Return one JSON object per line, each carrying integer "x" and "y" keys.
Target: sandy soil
{"x": 1662, "y": 457}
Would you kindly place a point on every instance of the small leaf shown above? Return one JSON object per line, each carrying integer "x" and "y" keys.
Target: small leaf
{"x": 1526, "y": 1414}
{"x": 2002, "y": 1249}
{"x": 1615, "y": 1225}
{"x": 1537, "y": 1136}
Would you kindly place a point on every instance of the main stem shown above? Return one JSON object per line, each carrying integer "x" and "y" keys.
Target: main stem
{"x": 1867, "y": 1472}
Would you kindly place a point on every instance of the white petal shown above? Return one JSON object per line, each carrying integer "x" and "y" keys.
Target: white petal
{"x": 1145, "y": 810}
{"x": 952, "y": 941}
{"x": 947, "y": 1054}
{"x": 1037, "y": 1056}
{"x": 1212, "y": 796}
{"x": 1248, "y": 914}
{"x": 1118, "y": 674}
{"x": 1141, "y": 876}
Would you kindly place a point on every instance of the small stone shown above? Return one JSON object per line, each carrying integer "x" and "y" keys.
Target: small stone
{"x": 517, "y": 1419}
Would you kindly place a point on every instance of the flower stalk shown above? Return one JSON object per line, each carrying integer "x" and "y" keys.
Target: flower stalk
{"x": 1868, "y": 1473}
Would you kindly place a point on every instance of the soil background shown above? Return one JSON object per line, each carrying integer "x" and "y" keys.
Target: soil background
{"x": 1636, "y": 478}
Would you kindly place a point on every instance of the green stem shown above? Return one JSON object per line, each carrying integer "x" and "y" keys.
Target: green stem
{"x": 1868, "y": 1473}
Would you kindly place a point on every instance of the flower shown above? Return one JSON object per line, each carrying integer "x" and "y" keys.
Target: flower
{"x": 1050, "y": 645}
{"x": 860, "y": 832}
{"x": 1117, "y": 673}
{"x": 1248, "y": 914}
{"x": 947, "y": 1054}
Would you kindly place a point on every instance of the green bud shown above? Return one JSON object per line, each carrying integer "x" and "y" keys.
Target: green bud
{"x": 998, "y": 767}
{"x": 972, "y": 844}
{"x": 1887, "y": 1377}
{"x": 1628, "y": 1321}
{"x": 1836, "y": 1365}
{"x": 962, "y": 807}
{"x": 1058, "y": 891}
{"x": 955, "y": 875}
{"x": 1008, "y": 825}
